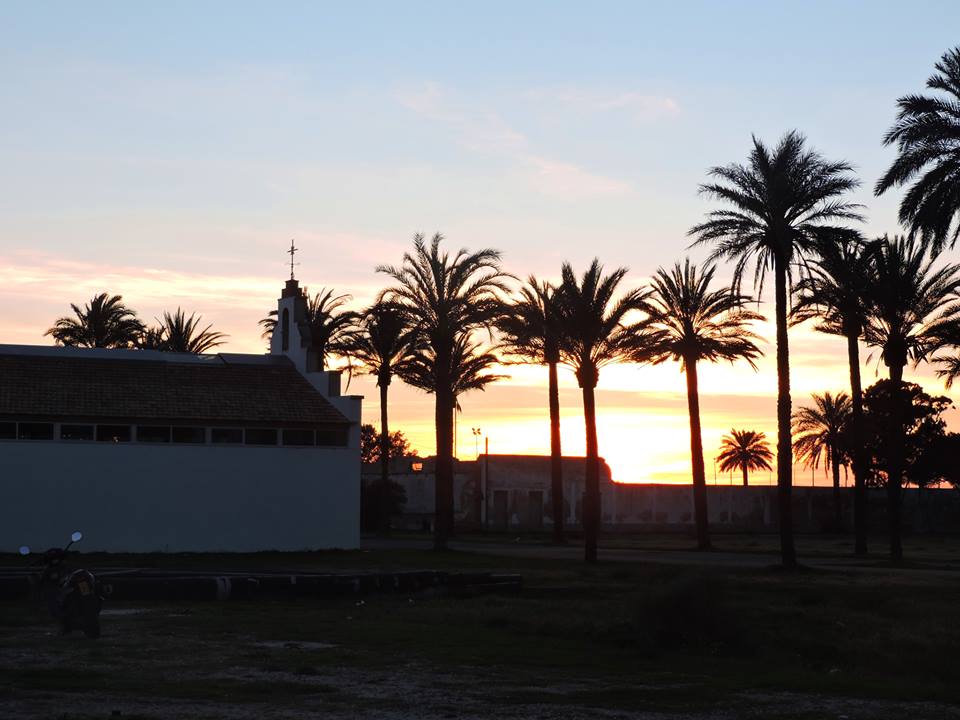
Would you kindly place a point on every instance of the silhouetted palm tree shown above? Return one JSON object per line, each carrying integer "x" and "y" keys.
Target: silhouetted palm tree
{"x": 596, "y": 333}
{"x": 913, "y": 307}
{"x": 449, "y": 297}
{"x": 823, "y": 431}
{"x": 530, "y": 330}
{"x": 326, "y": 325}
{"x": 779, "y": 201}
{"x": 104, "y": 322}
{"x": 690, "y": 323}
{"x": 744, "y": 450}
{"x": 179, "y": 333}
{"x": 383, "y": 343}
{"x": 927, "y": 135}
{"x": 833, "y": 294}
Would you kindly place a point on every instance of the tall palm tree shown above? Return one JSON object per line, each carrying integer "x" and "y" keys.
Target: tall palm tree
{"x": 450, "y": 296}
{"x": 744, "y": 450}
{"x": 833, "y": 294}
{"x": 178, "y": 333}
{"x": 927, "y": 135}
{"x": 823, "y": 431}
{"x": 691, "y": 322}
{"x": 913, "y": 307}
{"x": 104, "y": 322}
{"x": 327, "y": 325}
{"x": 777, "y": 204}
{"x": 383, "y": 343}
{"x": 596, "y": 333}
{"x": 530, "y": 330}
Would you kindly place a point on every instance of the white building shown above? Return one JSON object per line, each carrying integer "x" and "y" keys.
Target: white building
{"x": 151, "y": 451}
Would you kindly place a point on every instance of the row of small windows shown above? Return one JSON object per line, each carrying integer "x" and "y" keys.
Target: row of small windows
{"x": 188, "y": 434}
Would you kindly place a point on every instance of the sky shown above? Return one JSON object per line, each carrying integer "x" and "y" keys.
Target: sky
{"x": 169, "y": 152}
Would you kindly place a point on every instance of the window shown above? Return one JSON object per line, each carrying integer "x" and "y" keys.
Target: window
{"x": 227, "y": 435}
{"x": 285, "y": 330}
{"x": 153, "y": 433}
{"x": 298, "y": 437}
{"x": 113, "y": 433}
{"x": 416, "y": 466}
{"x": 8, "y": 431}
{"x": 335, "y": 436}
{"x": 260, "y": 436}
{"x": 35, "y": 431}
{"x": 189, "y": 435}
{"x": 77, "y": 432}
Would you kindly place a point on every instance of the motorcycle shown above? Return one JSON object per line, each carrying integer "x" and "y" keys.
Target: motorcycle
{"x": 71, "y": 595}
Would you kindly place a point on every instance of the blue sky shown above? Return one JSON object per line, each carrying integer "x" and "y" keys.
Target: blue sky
{"x": 169, "y": 151}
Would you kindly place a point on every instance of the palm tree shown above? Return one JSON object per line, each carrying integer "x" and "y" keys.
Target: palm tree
{"x": 327, "y": 326}
{"x": 104, "y": 322}
{"x": 927, "y": 135}
{"x": 179, "y": 333}
{"x": 383, "y": 343}
{"x": 744, "y": 450}
{"x": 833, "y": 293}
{"x": 595, "y": 334}
{"x": 530, "y": 330}
{"x": 691, "y": 322}
{"x": 823, "y": 431}
{"x": 450, "y": 297}
{"x": 778, "y": 203}
{"x": 913, "y": 309}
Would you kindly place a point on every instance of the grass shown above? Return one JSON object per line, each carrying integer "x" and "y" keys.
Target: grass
{"x": 619, "y": 636}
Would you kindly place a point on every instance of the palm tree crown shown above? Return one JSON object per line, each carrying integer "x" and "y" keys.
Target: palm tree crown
{"x": 178, "y": 333}
{"x": 821, "y": 430}
{"x": 692, "y": 322}
{"x": 530, "y": 326}
{"x": 327, "y": 326}
{"x": 927, "y": 135}
{"x": 468, "y": 368}
{"x": 744, "y": 450}
{"x": 383, "y": 341}
{"x": 596, "y": 332}
{"x": 779, "y": 200}
{"x": 913, "y": 305}
{"x": 104, "y": 322}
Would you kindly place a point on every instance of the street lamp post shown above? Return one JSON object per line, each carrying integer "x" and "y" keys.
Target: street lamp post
{"x": 477, "y": 432}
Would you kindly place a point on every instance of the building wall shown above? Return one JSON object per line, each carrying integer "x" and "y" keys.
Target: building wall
{"x": 176, "y": 498}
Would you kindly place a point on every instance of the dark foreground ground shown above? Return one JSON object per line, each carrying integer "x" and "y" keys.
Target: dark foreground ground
{"x": 635, "y": 637}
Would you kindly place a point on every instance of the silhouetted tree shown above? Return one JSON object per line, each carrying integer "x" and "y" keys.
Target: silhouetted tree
{"x": 596, "y": 333}
{"x": 912, "y": 306}
{"x": 744, "y": 450}
{"x": 778, "y": 202}
{"x": 104, "y": 322}
{"x": 371, "y": 445}
{"x": 927, "y": 135}
{"x": 383, "y": 343}
{"x": 530, "y": 330}
{"x": 450, "y": 297}
{"x": 690, "y": 322}
{"x": 178, "y": 333}
{"x": 823, "y": 430}
{"x": 833, "y": 294}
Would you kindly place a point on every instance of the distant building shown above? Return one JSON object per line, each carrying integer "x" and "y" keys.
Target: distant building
{"x": 153, "y": 451}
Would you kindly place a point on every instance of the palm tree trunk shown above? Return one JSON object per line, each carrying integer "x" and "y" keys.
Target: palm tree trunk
{"x": 784, "y": 441}
{"x": 744, "y": 468}
{"x": 897, "y": 461}
{"x": 383, "y": 522}
{"x": 696, "y": 457}
{"x": 859, "y": 451}
{"x": 837, "y": 512}
{"x": 591, "y": 497}
{"x": 556, "y": 456}
{"x": 443, "y": 473}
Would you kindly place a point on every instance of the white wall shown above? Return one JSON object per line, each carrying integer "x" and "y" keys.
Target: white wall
{"x": 175, "y": 498}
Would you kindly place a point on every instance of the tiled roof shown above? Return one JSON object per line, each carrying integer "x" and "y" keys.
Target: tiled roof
{"x": 228, "y": 389}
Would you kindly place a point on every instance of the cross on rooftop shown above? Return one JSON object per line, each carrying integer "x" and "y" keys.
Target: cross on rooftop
{"x": 291, "y": 252}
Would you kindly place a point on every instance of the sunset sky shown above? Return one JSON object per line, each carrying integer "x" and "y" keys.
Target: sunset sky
{"x": 169, "y": 152}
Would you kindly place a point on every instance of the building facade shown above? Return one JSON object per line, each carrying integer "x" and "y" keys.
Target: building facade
{"x": 153, "y": 451}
